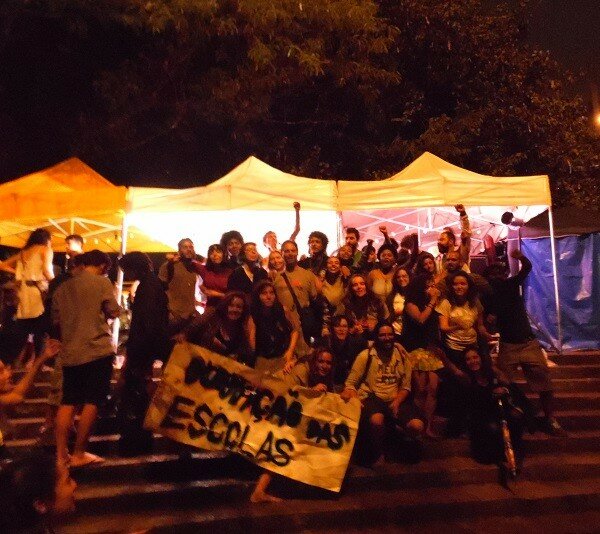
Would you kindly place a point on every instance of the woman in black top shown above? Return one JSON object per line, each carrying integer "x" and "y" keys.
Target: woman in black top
{"x": 224, "y": 331}
{"x": 249, "y": 273}
{"x": 345, "y": 347}
{"x": 363, "y": 307}
{"x": 272, "y": 337}
{"x": 487, "y": 385}
{"x": 420, "y": 337}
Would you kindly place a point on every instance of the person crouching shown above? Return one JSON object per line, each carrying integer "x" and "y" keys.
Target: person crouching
{"x": 380, "y": 377}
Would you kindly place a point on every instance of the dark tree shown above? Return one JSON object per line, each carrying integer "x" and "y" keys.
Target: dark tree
{"x": 176, "y": 91}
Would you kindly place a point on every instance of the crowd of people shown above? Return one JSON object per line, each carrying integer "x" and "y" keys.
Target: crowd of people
{"x": 406, "y": 332}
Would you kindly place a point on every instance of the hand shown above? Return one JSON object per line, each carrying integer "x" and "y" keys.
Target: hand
{"x": 345, "y": 271}
{"x": 296, "y": 206}
{"x": 460, "y": 208}
{"x": 383, "y": 229}
{"x": 499, "y": 391}
{"x": 51, "y": 349}
{"x": 395, "y": 406}
{"x": 325, "y": 331}
{"x": 289, "y": 365}
{"x": 516, "y": 254}
{"x": 348, "y": 394}
{"x": 321, "y": 387}
{"x": 433, "y": 293}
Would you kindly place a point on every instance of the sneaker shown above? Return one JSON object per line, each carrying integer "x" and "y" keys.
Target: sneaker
{"x": 553, "y": 427}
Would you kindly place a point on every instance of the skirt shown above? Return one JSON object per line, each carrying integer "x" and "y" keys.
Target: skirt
{"x": 424, "y": 360}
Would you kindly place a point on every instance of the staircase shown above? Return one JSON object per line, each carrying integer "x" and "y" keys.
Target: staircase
{"x": 174, "y": 491}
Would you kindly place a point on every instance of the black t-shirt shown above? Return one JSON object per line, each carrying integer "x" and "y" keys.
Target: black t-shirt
{"x": 509, "y": 308}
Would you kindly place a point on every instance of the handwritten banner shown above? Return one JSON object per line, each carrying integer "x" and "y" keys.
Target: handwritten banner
{"x": 215, "y": 403}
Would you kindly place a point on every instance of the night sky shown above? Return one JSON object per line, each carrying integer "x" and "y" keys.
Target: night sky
{"x": 569, "y": 29}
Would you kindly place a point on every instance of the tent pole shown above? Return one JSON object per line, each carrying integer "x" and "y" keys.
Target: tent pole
{"x": 555, "y": 276}
{"x": 340, "y": 229}
{"x": 120, "y": 278}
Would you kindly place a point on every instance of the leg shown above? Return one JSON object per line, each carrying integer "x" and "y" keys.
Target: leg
{"x": 414, "y": 428}
{"x": 87, "y": 419}
{"x": 419, "y": 388}
{"x": 547, "y": 402}
{"x": 430, "y": 402}
{"x": 64, "y": 420}
{"x": 377, "y": 428}
{"x": 260, "y": 490}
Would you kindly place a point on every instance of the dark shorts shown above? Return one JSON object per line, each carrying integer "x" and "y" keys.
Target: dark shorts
{"x": 530, "y": 358}
{"x": 88, "y": 383}
{"x": 407, "y": 411}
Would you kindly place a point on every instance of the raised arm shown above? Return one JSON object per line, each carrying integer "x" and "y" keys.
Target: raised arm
{"x": 525, "y": 266}
{"x": 465, "y": 234}
{"x": 297, "y": 226}
{"x": 18, "y": 393}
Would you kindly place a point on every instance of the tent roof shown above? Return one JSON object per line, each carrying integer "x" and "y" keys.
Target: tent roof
{"x": 430, "y": 181}
{"x": 567, "y": 221}
{"x": 252, "y": 185}
{"x": 66, "y": 198}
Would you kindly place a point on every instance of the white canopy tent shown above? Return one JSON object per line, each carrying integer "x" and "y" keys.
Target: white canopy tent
{"x": 255, "y": 197}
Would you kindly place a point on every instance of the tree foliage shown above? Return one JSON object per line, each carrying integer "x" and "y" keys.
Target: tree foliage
{"x": 160, "y": 90}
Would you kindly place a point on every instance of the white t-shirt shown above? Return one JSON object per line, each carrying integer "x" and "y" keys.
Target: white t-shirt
{"x": 464, "y": 316}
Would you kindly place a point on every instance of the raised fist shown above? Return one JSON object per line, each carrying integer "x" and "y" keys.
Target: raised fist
{"x": 296, "y": 205}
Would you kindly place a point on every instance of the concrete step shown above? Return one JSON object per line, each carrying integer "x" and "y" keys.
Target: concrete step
{"x": 570, "y": 371}
{"x": 538, "y": 443}
{"x": 28, "y": 427}
{"x": 591, "y": 357}
{"x": 450, "y": 471}
{"x": 200, "y": 506}
{"x": 564, "y": 400}
{"x": 569, "y": 384}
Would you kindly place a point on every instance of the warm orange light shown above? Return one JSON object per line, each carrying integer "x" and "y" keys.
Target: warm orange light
{"x": 597, "y": 119}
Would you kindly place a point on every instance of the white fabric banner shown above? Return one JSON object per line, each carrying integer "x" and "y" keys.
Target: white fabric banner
{"x": 212, "y": 402}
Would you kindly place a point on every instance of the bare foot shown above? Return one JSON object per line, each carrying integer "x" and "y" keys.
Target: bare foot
{"x": 261, "y": 496}
{"x": 87, "y": 458}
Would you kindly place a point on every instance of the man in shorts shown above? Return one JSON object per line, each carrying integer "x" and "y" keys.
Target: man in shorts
{"x": 518, "y": 345}
{"x": 380, "y": 377}
{"x": 80, "y": 309}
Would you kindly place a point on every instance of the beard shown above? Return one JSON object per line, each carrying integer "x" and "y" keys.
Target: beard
{"x": 443, "y": 248}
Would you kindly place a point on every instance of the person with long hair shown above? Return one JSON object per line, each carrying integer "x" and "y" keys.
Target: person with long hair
{"x": 214, "y": 275}
{"x": 486, "y": 385}
{"x": 32, "y": 267}
{"x": 425, "y": 264}
{"x": 271, "y": 335}
{"x": 397, "y": 298}
{"x": 245, "y": 277}
{"x": 224, "y": 330}
{"x": 379, "y": 279}
{"x": 420, "y": 337}
{"x": 460, "y": 321}
{"x": 333, "y": 289}
{"x": 461, "y": 317}
{"x": 316, "y": 372}
{"x": 363, "y": 307}
{"x": 345, "y": 347}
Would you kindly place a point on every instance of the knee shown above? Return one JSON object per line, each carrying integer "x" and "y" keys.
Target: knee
{"x": 377, "y": 420}
{"x": 415, "y": 427}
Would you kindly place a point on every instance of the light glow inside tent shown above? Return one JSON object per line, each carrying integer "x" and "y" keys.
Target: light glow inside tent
{"x": 206, "y": 227}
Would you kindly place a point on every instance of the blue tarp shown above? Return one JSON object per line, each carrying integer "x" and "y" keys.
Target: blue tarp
{"x": 579, "y": 289}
